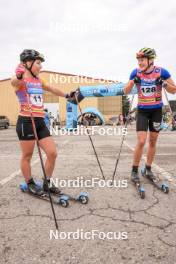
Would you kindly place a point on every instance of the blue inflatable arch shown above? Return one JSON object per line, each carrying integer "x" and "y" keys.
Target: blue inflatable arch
{"x": 93, "y": 110}
{"x": 115, "y": 89}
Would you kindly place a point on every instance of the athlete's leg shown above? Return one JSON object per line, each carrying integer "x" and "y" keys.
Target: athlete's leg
{"x": 27, "y": 147}
{"x": 154, "y": 127}
{"x": 141, "y": 140}
{"x": 141, "y": 128}
{"x": 153, "y": 136}
{"x": 49, "y": 147}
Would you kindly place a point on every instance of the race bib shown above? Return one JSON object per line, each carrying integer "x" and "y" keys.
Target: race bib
{"x": 148, "y": 90}
{"x": 36, "y": 99}
{"x": 35, "y": 94}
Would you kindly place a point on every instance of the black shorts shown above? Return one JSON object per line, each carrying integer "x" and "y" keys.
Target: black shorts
{"x": 149, "y": 119}
{"x": 25, "y": 131}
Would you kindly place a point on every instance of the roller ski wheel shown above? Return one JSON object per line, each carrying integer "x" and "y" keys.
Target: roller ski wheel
{"x": 140, "y": 189}
{"x": 165, "y": 188}
{"x": 155, "y": 181}
{"x": 83, "y": 198}
{"x": 142, "y": 192}
{"x": 63, "y": 201}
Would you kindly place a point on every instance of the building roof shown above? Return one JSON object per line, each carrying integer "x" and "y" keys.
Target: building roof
{"x": 67, "y": 74}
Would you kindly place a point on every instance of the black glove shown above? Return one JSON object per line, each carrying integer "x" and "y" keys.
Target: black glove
{"x": 67, "y": 96}
{"x": 70, "y": 95}
{"x": 137, "y": 80}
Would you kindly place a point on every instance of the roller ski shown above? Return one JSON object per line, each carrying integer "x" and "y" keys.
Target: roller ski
{"x": 135, "y": 179}
{"x": 82, "y": 197}
{"x": 38, "y": 190}
{"x": 147, "y": 173}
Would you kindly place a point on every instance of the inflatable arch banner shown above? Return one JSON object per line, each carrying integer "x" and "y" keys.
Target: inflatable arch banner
{"x": 93, "y": 110}
{"x": 115, "y": 89}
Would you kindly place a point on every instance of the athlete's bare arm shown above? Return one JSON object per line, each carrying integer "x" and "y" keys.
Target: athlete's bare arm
{"x": 53, "y": 90}
{"x": 170, "y": 87}
{"x": 15, "y": 82}
{"x": 128, "y": 87}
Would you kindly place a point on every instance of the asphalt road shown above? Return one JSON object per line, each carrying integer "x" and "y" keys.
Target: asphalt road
{"x": 145, "y": 229}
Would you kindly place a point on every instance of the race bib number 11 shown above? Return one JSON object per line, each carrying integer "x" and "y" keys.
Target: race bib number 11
{"x": 36, "y": 99}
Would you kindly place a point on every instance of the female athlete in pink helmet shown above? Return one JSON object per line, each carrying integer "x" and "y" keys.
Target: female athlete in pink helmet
{"x": 29, "y": 90}
{"x": 149, "y": 80}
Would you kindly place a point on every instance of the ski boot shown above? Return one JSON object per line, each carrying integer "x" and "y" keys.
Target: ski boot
{"x": 48, "y": 185}
{"x": 135, "y": 176}
{"x": 34, "y": 188}
{"x": 149, "y": 174}
{"x": 156, "y": 181}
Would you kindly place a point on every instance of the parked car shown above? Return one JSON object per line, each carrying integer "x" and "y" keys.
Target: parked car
{"x": 4, "y": 122}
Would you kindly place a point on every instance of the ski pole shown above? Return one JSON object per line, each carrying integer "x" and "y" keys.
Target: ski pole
{"x": 41, "y": 161}
{"x": 90, "y": 138}
{"x": 122, "y": 141}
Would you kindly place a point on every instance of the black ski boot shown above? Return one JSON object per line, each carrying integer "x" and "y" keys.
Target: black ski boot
{"x": 48, "y": 185}
{"x": 149, "y": 174}
{"x": 34, "y": 188}
{"x": 135, "y": 176}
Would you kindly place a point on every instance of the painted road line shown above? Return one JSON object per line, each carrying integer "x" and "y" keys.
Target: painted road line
{"x": 18, "y": 172}
{"x": 160, "y": 170}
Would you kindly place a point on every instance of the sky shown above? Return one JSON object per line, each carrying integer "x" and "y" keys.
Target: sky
{"x": 88, "y": 37}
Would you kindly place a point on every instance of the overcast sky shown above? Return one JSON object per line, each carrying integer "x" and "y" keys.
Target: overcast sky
{"x": 97, "y": 38}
